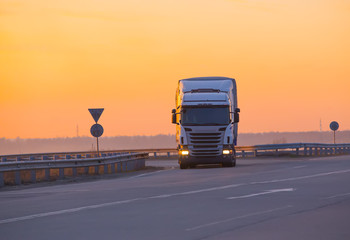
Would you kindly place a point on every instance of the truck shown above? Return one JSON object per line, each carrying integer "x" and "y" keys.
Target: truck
{"x": 206, "y": 118}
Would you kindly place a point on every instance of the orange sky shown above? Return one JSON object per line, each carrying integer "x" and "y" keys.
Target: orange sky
{"x": 291, "y": 60}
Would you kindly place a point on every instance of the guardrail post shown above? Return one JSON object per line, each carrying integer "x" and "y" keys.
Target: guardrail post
{"x": 33, "y": 176}
{"x": 2, "y": 182}
{"x": 123, "y": 166}
{"x": 119, "y": 167}
{"x": 17, "y": 177}
{"x": 310, "y": 151}
{"x": 61, "y": 173}
{"x": 47, "y": 174}
{"x": 128, "y": 166}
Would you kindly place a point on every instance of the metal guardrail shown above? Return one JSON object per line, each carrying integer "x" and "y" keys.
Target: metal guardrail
{"x": 15, "y": 169}
{"x": 301, "y": 149}
{"x": 17, "y": 172}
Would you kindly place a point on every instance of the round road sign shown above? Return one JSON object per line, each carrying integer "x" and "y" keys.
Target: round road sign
{"x": 334, "y": 126}
{"x": 96, "y": 130}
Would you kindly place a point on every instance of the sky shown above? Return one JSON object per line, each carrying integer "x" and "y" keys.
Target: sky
{"x": 291, "y": 61}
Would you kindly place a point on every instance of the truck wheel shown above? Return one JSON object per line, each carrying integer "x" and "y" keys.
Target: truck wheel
{"x": 183, "y": 166}
{"x": 232, "y": 163}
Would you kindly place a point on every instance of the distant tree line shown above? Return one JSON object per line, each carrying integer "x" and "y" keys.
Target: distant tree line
{"x": 38, "y": 145}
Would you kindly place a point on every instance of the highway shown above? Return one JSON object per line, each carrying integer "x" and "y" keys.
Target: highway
{"x": 262, "y": 198}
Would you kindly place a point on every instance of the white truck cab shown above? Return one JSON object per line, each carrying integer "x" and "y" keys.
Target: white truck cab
{"x": 206, "y": 118}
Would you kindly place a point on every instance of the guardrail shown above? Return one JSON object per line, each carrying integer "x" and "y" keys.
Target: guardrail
{"x": 17, "y": 172}
{"x": 300, "y": 149}
{"x": 15, "y": 169}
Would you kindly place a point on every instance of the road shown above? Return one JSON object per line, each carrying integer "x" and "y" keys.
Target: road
{"x": 262, "y": 198}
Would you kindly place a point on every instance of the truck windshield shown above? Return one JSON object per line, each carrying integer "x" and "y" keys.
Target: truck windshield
{"x": 205, "y": 116}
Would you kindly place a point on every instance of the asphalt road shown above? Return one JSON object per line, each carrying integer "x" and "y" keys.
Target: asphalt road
{"x": 276, "y": 198}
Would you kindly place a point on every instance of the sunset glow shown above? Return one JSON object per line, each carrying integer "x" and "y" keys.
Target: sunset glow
{"x": 291, "y": 61}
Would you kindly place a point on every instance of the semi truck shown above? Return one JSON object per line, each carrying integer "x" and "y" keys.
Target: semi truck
{"x": 206, "y": 118}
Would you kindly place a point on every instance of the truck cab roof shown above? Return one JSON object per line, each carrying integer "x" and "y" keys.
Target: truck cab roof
{"x": 205, "y": 98}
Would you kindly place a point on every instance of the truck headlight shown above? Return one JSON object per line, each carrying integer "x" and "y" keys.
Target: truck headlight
{"x": 184, "y": 152}
{"x": 226, "y": 151}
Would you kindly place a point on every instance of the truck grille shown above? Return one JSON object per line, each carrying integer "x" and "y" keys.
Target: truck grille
{"x": 205, "y": 144}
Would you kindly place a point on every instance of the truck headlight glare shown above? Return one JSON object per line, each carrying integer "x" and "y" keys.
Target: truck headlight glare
{"x": 225, "y": 151}
{"x": 184, "y": 152}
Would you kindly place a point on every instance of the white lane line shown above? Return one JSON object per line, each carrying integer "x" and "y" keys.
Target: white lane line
{"x": 302, "y": 177}
{"x": 164, "y": 196}
{"x": 197, "y": 191}
{"x": 338, "y": 195}
{"x": 72, "y": 210}
{"x": 263, "y": 193}
{"x": 4, "y": 194}
{"x": 236, "y": 218}
{"x": 147, "y": 174}
{"x": 299, "y": 167}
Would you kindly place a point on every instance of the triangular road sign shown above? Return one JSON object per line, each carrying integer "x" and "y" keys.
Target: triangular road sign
{"x": 96, "y": 113}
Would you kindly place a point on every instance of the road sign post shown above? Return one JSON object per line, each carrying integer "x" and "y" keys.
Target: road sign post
{"x": 334, "y": 127}
{"x": 96, "y": 130}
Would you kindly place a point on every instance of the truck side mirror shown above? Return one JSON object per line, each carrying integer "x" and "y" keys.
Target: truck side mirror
{"x": 173, "y": 119}
{"x": 236, "y": 117}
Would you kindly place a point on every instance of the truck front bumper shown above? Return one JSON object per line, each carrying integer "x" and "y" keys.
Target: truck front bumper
{"x": 191, "y": 160}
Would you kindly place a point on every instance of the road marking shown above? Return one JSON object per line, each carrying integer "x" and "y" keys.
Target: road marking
{"x": 302, "y": 177}
{"x": 263, "y": 193}
{"x": 72, "y": 210}
{"x": 299, "y": 167}
{"x": 24, "y": 192}
{"x": 197, "y": 191}
{"x": 236, "y": 218}
{"x": 338, "y": 195}
{"x": 147, "y": 174}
